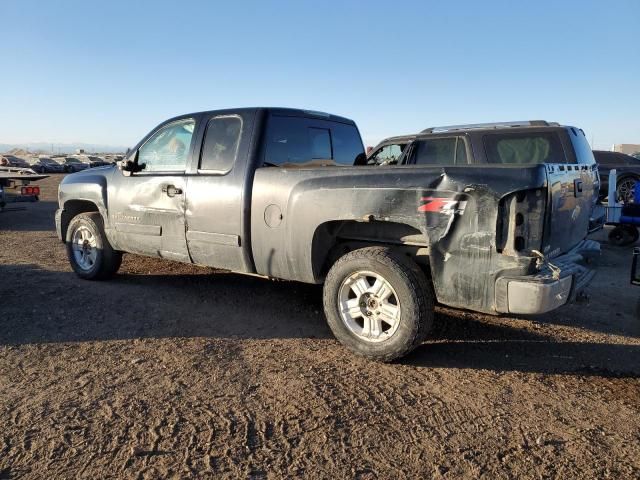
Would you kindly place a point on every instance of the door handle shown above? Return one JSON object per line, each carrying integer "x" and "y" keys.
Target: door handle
{"x": 577, "y": 187}
{"x": 171, "y": 190}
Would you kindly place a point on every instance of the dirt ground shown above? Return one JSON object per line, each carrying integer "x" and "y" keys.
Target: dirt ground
{"x": 172, "y": 371}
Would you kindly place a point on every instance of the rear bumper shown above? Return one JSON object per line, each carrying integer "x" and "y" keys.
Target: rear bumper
{"x": 553, "y": 286}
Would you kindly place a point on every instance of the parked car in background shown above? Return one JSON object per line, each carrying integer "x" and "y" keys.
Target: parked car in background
{"x": 95, "y": 161}
{"x": 13, "y": 161}
{"x": 72, "y": 165}
{"x": 627, "y": 169}
{"x": 46, "y": 165}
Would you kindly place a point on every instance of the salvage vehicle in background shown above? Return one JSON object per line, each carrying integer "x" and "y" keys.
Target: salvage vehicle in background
{"x": 46, "y": 165}
{"x": 15, "y": 186}
{"x": 72, "y": 165}
{"x": 627, "y": 168}
{"x": 490, "y": 218}
{"x": 95, "y": 161}
{"x": 13, "y": 161}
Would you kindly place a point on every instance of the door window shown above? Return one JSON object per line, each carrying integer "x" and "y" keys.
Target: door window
{"x": 387, "y": 155}
{"x": 168, "y": 149}
{"x": 221, "y": 144}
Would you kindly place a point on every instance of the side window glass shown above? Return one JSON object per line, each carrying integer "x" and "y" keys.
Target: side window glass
{"x": 221, "y": 143}
{"x": 461, "y": 152}
{"x": 523, "y": 148}
{"x": 287, "y": 142}
{"x": 168, "y": 149}
{"x": 387, "y": 155}
{"x": 436, "y": 151}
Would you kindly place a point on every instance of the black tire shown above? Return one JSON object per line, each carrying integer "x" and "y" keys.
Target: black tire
{"x": 633, "y": 233}
{"x": 413, "y": 295}
{"x": 621, "y": 236}
{"x": 107, "y": 261}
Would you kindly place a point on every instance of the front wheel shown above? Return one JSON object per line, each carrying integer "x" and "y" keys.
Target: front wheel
{"x": 89, "y": 252}
{"x": 378, "y": 303}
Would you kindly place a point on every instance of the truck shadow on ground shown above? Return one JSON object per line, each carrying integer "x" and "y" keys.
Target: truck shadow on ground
{"x": 41, "y": 306}
{"x": 28, "y": 217}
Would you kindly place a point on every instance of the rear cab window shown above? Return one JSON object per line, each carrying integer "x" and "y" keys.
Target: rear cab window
{"x": 524, "y": 148}
{"x": 581, "y": 146}
{"x": 306, "y": 142}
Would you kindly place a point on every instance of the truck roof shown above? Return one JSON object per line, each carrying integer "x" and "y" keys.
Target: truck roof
{"x": 290, "y": 112}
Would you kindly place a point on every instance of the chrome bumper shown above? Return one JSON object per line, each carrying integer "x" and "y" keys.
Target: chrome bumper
{"x": 558, "y": 282}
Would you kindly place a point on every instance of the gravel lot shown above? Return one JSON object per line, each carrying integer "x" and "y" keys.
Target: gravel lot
{"x": 173, "y": 371}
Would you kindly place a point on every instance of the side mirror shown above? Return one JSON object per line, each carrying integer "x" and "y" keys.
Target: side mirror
{"x": 129, "y": 166}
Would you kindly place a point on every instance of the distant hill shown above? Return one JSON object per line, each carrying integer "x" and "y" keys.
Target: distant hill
{"x": 41, "y": 147}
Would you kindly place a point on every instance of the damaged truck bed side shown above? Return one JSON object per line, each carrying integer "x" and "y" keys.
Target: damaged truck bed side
{"x": 491, "y": 218}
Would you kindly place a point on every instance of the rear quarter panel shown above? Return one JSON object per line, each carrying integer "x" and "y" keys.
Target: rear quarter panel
{"x": 455, "y": 208}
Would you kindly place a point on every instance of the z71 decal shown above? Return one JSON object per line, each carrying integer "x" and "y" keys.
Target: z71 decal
{"x": 446, "y": 206}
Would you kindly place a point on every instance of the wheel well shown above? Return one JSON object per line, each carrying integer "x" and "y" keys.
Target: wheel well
{"x": 72, "y": 208}
{"x": 625, "y": 176}
{"x": 333, "y": 239}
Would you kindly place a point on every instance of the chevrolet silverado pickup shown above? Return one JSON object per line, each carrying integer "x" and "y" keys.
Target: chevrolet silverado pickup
{"x": 491, "y": 219}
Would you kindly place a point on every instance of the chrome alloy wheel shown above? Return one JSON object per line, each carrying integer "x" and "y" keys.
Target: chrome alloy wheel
{"x": 369, "y": 306}
{"x": 85, "y": 249}
{"x": 626, "y": 189}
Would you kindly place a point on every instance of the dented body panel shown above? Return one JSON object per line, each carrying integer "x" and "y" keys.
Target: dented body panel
{"x": 481, "y": 230}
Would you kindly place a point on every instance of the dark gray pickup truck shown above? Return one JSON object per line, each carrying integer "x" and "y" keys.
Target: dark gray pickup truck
{"x": 288, "y": 194}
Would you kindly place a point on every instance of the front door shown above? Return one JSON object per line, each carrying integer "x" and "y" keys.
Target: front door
{"x": 147, "y": 208}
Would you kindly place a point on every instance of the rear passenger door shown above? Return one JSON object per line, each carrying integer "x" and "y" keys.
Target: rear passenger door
{"x": 218, "y": 194}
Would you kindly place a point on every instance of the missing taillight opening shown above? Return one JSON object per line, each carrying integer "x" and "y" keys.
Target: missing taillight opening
{"x": 520, "y": 222}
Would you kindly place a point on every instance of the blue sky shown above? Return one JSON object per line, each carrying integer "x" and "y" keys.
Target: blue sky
{"x": 107, "y": 72}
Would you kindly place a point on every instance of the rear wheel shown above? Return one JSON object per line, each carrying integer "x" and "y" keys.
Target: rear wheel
{"x": 623, "y": 235}
{"x": 633, "y": 232}
{"x": 377, "y": 303}
{"x": 625, "y": 189}
{"x": 89, "y": 252}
